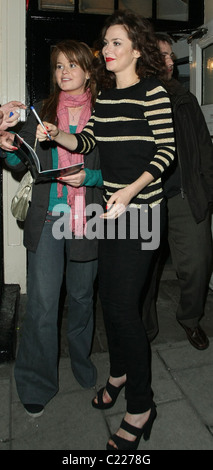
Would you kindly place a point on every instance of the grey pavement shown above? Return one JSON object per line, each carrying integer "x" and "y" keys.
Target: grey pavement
{"x": 182, "y": 381}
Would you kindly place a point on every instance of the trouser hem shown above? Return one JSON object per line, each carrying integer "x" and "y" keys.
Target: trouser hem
{"x": 137, "y": 408}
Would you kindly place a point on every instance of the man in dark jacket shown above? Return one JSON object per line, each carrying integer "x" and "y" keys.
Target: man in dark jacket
{"x": 189, "y": 190}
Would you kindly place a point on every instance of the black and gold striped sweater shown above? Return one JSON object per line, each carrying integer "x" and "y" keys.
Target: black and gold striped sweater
{"x": 133, "y": 129}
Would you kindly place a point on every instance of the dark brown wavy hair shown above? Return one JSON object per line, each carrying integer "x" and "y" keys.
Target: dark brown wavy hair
{"x": 142, "y": 36}
{"x": 77, "y": 52}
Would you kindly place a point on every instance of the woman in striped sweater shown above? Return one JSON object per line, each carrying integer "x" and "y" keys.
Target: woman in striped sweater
{"x": 132, "y": 126}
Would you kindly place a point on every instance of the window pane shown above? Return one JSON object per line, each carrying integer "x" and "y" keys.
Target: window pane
{"x": 172, "y": 10}
{"x": 207, "y": 93}
{"x": 184, "y": 75}
{"x": 103, "y": 7}
{"x": 142, "y": 7}
{"x": 56, "y": 4}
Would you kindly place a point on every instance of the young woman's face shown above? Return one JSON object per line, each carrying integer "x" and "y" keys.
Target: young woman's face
{"x": 70, "y": 77}
{"x": 117, "y": 51}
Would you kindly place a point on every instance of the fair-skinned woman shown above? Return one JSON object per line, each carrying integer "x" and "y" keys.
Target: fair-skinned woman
{"x": 36, "y": 368}
{"x": 132, "y": 127}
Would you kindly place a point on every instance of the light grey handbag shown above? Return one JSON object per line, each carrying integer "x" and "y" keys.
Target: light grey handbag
{"x": 22, "y": 198}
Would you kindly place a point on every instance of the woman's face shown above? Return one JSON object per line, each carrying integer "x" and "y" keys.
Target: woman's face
{"x": 70, "y": 77}
{"x": 117, "y": 51}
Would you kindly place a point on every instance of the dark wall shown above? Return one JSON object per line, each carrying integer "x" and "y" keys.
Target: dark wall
{"x": 45, "y": 28}
{"x": 45, "y": 31}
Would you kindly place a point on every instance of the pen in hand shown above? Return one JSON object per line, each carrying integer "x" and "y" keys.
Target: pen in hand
{"x": 40, "y": 122}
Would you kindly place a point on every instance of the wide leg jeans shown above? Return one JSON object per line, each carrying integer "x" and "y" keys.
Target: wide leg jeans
{"x": 36, "y": 367}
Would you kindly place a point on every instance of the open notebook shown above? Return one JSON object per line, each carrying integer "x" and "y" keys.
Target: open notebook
{"x": 28, "y": 155}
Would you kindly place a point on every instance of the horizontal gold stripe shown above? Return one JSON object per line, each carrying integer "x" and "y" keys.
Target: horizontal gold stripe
{"x": 125, "y": 138}
{"x": 158, "y": 181}
{"x": 158, "y": 165}
{"x": 147, "y": 196}
{"x": 162, "y": 131}
{"x": 157, "y": 101}
{"x": 166, "y": 152}
{"x": 114, "y": 185}
{"x": 163, "y": 99}
{"x": 123, "y": 101}
{"x": 138, "y": 206}
{"x": 139, "y": 195}
{"x": 155, "y": 90}
{"x": 160, "y": 121}
{"x": 123, "y": 185}
{"x": 164, "y": 159}
{"x": 165, "y": 141}
{"x": 119, "y": 118}
{"x": 159, "y": 111}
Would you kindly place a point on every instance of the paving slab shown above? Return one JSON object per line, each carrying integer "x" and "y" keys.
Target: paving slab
{"x": 163, "y": 385}
{"x": 182, "y": 381}
{"x": 197, "y": 386}
{"x": 181, "y": 355}
{"x": 68, "y": 423}
{"x": 177, "y": 427}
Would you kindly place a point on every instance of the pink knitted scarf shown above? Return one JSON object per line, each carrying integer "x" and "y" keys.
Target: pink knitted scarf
{"x": 76, "y": 196}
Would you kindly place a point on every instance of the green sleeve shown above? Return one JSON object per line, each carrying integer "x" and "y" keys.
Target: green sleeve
{"x": 12, "y": 159}
{"x": 93, "y": 178}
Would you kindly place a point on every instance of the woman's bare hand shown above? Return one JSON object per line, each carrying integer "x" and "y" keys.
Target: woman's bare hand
{"x": 51, "y": 129}
{"x": 75, "y": 180}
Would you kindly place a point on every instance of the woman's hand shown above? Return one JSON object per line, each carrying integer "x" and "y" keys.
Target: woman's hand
{"x": 6, "y": 141}
{"x": 117, "y": 203}
{"x": 121, "y": 198}
{"x": 68, "y": 141}
{"x": 74, "y": 180}
{"x": 51, "y": 129}
{"x": 12, "y": 108}
{"x": 1, "y": 117}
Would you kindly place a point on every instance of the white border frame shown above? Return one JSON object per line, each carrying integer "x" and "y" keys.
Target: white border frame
{"x": 12, "y": 87}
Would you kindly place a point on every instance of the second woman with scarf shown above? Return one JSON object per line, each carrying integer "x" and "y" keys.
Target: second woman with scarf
{"x": 36, "y": 368}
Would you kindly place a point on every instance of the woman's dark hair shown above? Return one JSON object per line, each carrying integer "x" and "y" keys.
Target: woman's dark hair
{"x": 77, "y": 52}
{"x": 142, "y": 36}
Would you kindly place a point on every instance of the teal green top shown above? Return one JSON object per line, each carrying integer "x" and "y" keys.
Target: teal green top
{"x": 92, "y": 178}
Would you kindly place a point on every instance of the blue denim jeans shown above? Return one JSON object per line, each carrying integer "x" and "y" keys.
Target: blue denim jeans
{"x": 36, "y": 368}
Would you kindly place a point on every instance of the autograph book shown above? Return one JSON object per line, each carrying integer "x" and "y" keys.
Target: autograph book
{"x": 29, "y": 156}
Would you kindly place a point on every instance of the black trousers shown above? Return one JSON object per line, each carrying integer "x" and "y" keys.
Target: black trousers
{"x": 124, "y": 267}
{"x": 191, "y": 251}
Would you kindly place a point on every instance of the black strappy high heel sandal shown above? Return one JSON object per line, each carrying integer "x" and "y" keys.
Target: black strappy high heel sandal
{"x": 145, "y": 431}
{"x": 113, "y": 393}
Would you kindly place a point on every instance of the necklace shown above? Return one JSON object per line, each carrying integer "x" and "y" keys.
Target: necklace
{"x": 73, "y": 116}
